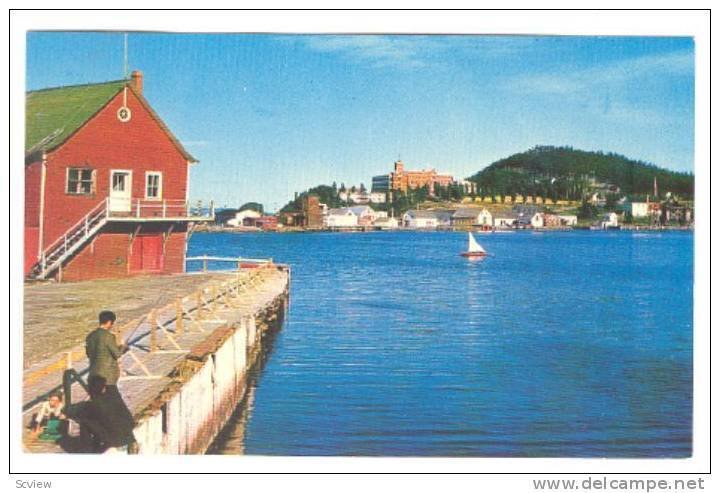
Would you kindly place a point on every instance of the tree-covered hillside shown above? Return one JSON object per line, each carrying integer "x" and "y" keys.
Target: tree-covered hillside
{"x": 326, "y": 194}
{"x": 566, "y": 173}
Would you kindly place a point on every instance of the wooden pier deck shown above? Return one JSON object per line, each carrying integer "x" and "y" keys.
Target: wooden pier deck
{"x": 169, "y": 320}
{"x": 58, "y": 316}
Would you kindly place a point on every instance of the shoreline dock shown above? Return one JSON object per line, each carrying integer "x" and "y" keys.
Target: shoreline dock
{"x": 186, "y": 370}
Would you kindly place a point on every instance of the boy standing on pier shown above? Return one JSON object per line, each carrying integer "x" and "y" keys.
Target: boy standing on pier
{"x": 103, "y": 351}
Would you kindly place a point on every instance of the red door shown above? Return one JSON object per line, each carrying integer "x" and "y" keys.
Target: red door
{"x": 147, "y": 253}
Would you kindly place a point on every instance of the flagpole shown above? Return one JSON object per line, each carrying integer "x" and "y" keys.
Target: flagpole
{"x": 125, "y": 57}
{"x": 125, "y": 67}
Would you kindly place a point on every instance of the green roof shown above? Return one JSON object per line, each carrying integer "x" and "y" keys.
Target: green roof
{"x": 53, "y": 115}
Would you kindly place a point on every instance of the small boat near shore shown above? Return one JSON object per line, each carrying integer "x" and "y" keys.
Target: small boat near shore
{"x": 474, "y": 248}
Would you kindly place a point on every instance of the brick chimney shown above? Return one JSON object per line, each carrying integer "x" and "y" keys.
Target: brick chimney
{"x": 136, "y": 80}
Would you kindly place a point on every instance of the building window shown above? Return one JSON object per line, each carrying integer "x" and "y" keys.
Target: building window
{"x": 80, "y": 181}
{"x": 153, "y": 185}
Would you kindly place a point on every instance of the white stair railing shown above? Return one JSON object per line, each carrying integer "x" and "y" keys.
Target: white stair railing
{"x": 79, "y": 233}
{"x": 60, "y": 249}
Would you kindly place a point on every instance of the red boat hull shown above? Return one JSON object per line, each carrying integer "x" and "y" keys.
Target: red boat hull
{"x": 473, "y": 254}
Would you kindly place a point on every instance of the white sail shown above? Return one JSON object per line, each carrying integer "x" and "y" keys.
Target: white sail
{"x": 473, "y": 245}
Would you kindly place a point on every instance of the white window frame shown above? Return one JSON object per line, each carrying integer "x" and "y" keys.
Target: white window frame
{"x": 129, "y": 173}
{"x": 93, "y": 178}
{"x": 148, "y": 174}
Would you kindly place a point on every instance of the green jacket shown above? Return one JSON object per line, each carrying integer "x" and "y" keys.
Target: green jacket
{"x": 103, "y": 352}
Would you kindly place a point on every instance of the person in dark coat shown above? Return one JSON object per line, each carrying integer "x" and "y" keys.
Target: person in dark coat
{"x": 106, "y": 423}
{"x": 103, "y": 351}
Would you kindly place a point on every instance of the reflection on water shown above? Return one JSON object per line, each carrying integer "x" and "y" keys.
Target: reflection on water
{"x": 570, "y": 344}
{"x": 232, "y": 438}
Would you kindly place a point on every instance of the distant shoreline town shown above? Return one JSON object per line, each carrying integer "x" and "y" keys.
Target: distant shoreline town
{"x": 428, "y": 200}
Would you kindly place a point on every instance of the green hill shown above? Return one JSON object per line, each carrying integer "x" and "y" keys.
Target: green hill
{"x": 325, "y": 193}
{"x": 567, "y": 173}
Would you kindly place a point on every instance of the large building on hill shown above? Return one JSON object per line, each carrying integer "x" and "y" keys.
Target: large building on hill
{"x": 106, "y": 184}
{"x": 403, "y": 180}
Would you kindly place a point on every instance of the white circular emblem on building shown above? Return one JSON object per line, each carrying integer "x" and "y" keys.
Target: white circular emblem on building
{"x": 124, "y": 114}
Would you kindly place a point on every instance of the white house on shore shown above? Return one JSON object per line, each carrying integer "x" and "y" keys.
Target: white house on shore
{"x": 340, "y": 218}
{"x": 610, "y": 220}
{"x": 472, "y": 217}
{"x": 386, "y": 223}
{"x": 567, "y": 220}
{"x": 420, "y": 220}
{"x": 505, "y": 220}
{"x": 242, "y": 218}
{"x": 485, "y": 218}
{"x": 365, "y": 214}
{"x": 537, "y": 220}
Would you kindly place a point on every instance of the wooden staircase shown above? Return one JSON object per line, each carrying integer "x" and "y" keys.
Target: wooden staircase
{"x": 53, "y": 257}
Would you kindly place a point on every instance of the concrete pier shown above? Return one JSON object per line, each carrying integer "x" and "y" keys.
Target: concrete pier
{"x": 186, "y": 368}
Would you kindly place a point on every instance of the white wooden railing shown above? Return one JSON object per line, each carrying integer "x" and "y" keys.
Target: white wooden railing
{"x": 71, "y": 240}
{"x": 76, "y": 235}
{"x": 165, "y": 208}
{"x": 238, "y": 261}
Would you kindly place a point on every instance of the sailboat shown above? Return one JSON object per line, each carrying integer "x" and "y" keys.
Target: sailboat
{"x": 474, "y": 248}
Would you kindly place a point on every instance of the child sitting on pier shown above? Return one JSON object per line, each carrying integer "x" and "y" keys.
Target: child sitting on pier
{"x": 49, "y": 420}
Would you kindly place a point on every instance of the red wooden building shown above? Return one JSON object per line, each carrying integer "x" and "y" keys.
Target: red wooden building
{"x": 106, "y": 184}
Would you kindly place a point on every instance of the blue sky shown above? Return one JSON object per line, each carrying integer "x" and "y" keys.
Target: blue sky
{"x": 268, "y": 115}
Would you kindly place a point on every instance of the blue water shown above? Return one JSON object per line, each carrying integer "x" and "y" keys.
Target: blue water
{"x": 572, "y": 344}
